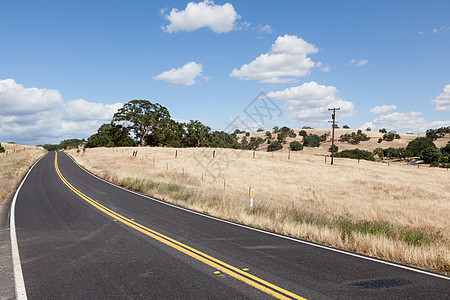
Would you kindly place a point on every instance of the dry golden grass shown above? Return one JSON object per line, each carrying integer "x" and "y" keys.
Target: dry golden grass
{"x": 14, "y": 163}
{"x": 405, "y": 209}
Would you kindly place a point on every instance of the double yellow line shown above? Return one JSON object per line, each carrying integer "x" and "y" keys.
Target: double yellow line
{"x": 254, "y": 281}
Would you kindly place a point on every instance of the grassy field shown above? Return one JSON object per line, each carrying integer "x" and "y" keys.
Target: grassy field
{"x": 14, "y": 163}
{"x": 397, "y": 212}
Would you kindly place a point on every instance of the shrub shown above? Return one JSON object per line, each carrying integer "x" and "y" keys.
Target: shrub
{"x": 292, "y": 134}
{"x": 312, "y": 140}
{"x": 356, "y": 154}
{"x": 302, "y": 133}
{"x": 333, "y": 149}
{"x": 2, "y": 149}
{"x": 296, "y": 146}
{"x": 324, "y": 136}
{"x": 275, "y": 145}
{"x": 269, "y": 134}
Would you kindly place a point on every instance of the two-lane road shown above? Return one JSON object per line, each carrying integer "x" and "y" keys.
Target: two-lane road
{"x": 82, "y": 238}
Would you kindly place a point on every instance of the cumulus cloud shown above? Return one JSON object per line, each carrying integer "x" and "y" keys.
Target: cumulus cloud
{"x": 442, "y": 102}
{"x": 404, "y": 122}
{"x": 284, "y": 63}
{"x": 37, "y": 116}
{"x": 183, "y": 76}
{"x": 310, "y": 101}
{"x": 359, "y": 63}
{"x": 382, "y": 109}
{"x": 218, "y": 18}
{"x": 16, "y": 99}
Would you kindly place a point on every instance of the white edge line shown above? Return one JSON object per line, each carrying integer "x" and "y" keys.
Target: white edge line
{"x": 19, "y": 283}
{"x": 268, "y": 232}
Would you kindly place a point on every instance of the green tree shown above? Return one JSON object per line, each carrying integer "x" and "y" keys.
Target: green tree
{"x": 296, "y": 146}
{"x": 143, "y": 117}
{"x": 417, "y": 145}
{"x": 275, "y": 145}
{"x": 430, "y": 154}
{"x": 356, "y": 154}
{"x": 312, "y": 140}
{"x": 302, "y": 133}
{"x": 110, "y": 135}
{"x": 196, "y": 134}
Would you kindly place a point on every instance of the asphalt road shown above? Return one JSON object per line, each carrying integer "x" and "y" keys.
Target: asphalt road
{"x": 87, "y": 239}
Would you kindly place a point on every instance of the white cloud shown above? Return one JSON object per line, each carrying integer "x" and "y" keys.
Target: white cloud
{"x": 284, "y": 63}
{"x": 310, "y": 101}
{"x": 442, "y": 102}
{"x": 323, "y": 67}
{"x": 420, "y": 32}
{"x": 360, "y": 63}
{"x": 16, "y": 99}
{"x": 183, "y": 76}
{"x": 219, "y": 18}
{"x": 82, "y": 110}
{"x": 37, "y": 116}
{"x": 404, "y": 122}
{"x": 382, "y": 109}
{"x": 264, "y": 28}
{"x": 435, "y": 30}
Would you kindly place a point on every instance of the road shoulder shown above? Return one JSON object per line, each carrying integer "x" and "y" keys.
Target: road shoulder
{"x": 6, "y": 265}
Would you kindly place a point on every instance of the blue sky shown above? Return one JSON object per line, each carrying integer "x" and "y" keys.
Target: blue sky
{"x": 66, "y": 66}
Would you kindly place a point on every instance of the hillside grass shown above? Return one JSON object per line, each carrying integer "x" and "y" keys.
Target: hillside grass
{"x": 395, "y": 212}
{"x": 14, "y": 163}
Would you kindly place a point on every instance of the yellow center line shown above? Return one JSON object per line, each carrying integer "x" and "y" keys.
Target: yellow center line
{"x": 252, "y": 280}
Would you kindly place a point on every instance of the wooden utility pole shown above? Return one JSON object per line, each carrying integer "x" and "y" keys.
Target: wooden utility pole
{"x": 333, "y": 117}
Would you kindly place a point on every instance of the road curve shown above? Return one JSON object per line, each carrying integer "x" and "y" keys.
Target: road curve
{"x": 82, "y": 238}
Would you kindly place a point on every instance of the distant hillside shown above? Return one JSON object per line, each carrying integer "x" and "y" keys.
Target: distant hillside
{"x": 369, "y": 145}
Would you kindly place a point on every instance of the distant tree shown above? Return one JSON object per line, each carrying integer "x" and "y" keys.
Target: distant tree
{"x": 275, "y": 145}
{"x": 307, "y": 127}
{"x": 379, "y": 152}
{"x": 368, "y": 129}
{"x": 345, "y": 127}
{"x": 275, "y": 129}
{"x": 382, "y": 130}
{"x": 295, "y": 146}
{"x": 312, "y": 140}
{"x": 292, "y": 134}
{"x": 247, "y": 134}
{"x": 356, "y": 154}
{"x": 390, "y": 136}
{"x": 269, "y": 134}
{"x": 260, "y": 129}
{"x": 2, "y": 149}
{"x": 143, "y": 117}
{"x": 302, "y": 133}
{"x": 419, "y": 144}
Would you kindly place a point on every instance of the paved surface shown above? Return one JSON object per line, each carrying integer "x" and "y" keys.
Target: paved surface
{"x": 71, "y": 250}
